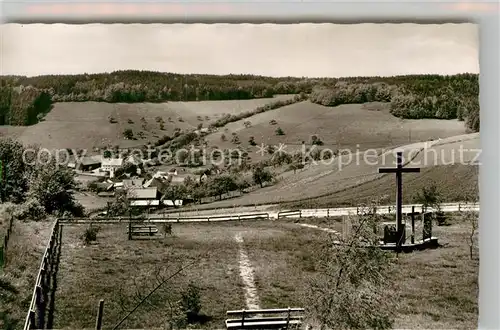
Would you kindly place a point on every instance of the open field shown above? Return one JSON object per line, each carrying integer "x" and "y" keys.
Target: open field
{"x": 85, "y": 125}
{"x": 356, "y": 177}
{"x": 108, "y": 268}
{"x": 438, "y": 288}
{"x": 344, "y": 126}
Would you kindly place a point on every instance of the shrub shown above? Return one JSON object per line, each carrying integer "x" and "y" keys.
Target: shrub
{"x": 315, "y": 140}
{"x": 167, "y": 228}
{"x": 112, "y": 120}
{"x": 180, "y": 119}
{"x": 130, "y": 121}
{"x": 223, "y": 137}
{"x": 31, "y": 209}
{"x": 273, "y": 122}
{"x": 235, "y": 139}
{"x": 191, "y": 302}
{"x": 279, "y": 131}
{"x": 90, "y": 235}
{"x": 251, "y": 141}
{"x": 161, "y": 141}
{"x": 128, "y": 134}
{"x": 158, "y": 119}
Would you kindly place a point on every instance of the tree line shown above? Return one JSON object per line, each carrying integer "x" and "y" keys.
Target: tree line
{"x": 411, "y": 96}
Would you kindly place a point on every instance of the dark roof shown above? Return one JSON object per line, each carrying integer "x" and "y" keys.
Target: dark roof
{"x": 91, "y": 160}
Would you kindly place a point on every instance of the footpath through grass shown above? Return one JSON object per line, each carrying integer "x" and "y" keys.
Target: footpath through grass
{"x": 436, "y": 288}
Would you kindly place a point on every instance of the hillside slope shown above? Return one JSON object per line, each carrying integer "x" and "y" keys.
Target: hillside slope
{"x": 85, "y": 125}
{"x": 349, "y": 178}
{"x": 368, "y": 125}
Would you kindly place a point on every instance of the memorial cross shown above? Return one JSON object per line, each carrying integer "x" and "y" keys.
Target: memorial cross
{"x": 399, "y": 170}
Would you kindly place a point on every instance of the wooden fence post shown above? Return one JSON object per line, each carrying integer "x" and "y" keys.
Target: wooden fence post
{"x": 413, "y": 225}
{"x": 288, "y": 318}
{"x": 129, "y": 229}
{"x": 243, "y": 318}
{"x": 32, "y": 319}
{"x": 98, "y": 322}
{"x": 4, "y": 251}
{"x": 59, "y": 231}
{"x": 40, "y": 307}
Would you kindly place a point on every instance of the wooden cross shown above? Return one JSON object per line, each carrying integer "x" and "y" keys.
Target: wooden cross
{"x": 399, "y": 170}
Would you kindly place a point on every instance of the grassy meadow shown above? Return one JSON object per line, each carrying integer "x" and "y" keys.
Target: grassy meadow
{"x": 437, "y": 288}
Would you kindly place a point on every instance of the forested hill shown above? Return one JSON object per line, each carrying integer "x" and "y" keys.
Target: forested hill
{"x": 420, "y": 96}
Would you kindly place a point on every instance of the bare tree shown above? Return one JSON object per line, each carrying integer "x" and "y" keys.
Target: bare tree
{"x": 151, "y": 290}
{"x": 352, "y": 289}
{"x": 471, "y": 217}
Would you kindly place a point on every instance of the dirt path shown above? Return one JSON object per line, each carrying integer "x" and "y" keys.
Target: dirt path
{"x": 246, "y": 273}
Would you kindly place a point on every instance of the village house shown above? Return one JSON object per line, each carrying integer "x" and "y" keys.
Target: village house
{"x": 134, "y": 159}
{"x": 157, "y": 182}
{"x": 111, "y": 165}
{"x": 89, "y": 163}
{"x": 133, "y": 184}
{"x": 181, "y": 178}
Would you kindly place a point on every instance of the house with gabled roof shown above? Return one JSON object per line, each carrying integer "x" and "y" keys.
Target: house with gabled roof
{"x": 157, "y": 182}
{"x": 144, "y": 196}
{"x": 111, "y": 165}
{"x": 132, "y": 183}
{"x": 89, "y": 163}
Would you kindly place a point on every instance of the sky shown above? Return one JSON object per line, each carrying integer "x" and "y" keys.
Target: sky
{"x": 310, "y": 50}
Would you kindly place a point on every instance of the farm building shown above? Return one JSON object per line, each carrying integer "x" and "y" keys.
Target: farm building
{"x": 157, "y": 182}
{"x": 132, "y": 183}
{"x": 181, "y": 178}
{"x": 144, "y": 197}
{"x": 89, "y": 163}
{"x": 106, "y": 194}
{"x": 133, "y": 159}
{"x": 170, "y": 203}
